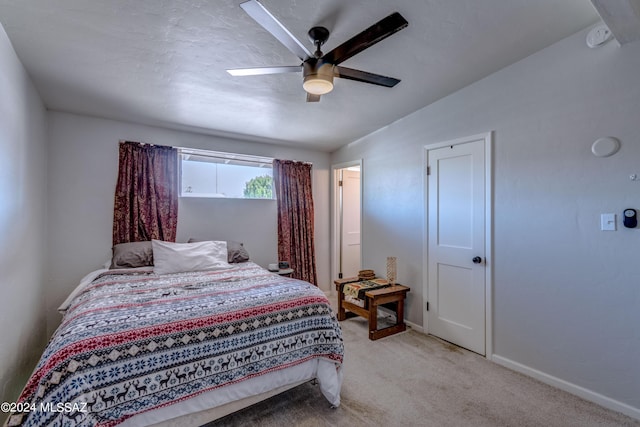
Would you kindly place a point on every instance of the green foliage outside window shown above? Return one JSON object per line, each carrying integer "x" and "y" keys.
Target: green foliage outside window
{"x": 260, "y": 187}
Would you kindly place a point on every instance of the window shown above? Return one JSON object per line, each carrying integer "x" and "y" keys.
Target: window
{"x": 216, "y": 174}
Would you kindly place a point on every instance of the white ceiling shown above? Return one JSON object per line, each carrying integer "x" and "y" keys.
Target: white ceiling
{"x": 163, "y": 62}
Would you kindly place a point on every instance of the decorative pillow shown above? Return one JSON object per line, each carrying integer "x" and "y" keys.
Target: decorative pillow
{"x": 236, "y": 251}
{"x": 172, "y": 257}
{"x": 132, "y": 255}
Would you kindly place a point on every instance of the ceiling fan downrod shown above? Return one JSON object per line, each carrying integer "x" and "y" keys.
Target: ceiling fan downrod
{"x": 318, "y": 36}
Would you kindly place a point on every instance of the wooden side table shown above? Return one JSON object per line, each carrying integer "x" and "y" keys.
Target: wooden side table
{"x": 391, "y": 297}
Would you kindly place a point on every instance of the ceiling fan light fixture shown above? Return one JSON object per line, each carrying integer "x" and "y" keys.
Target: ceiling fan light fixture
{"x": 317, "y": 85}
{"x": 318, "y": 78}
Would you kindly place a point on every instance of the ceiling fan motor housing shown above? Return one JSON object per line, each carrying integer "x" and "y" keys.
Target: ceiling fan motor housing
{"x": 318, "y": 76}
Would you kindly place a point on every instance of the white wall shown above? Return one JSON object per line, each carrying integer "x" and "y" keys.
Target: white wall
{"x": 566, "y": 295}
{"x": 83, "y": 166}
{"x": 23, "y": 168}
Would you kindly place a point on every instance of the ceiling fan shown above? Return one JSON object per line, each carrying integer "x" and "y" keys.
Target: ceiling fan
{"x": 318, "y": 69}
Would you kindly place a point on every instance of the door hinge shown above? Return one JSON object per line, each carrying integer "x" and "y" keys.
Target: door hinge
{"x": 340, "y": 183}
{"x": 426, "y": 305}
{"x": 428, "y": 170}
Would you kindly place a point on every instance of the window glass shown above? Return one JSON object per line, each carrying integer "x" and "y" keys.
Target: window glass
{"x": 216, "y": 174}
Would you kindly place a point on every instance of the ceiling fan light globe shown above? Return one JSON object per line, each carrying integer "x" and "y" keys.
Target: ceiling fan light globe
{"x": 317, "y": 85}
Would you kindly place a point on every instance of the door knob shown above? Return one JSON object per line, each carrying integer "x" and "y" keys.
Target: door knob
{"x": 477, "y": 260}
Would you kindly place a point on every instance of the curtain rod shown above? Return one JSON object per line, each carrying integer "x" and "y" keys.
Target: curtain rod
{"x": 124, "y": 141}
{"x": 220, "y": 154}
{"x": 297, "y": 161}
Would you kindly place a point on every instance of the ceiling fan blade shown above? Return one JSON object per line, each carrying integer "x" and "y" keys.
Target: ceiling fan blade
{"x": 372, "y": 35}
{"x": 257, "y": 71}
{"x": 363, "y": 76}
{"x": 262, "y": 16}
{"x": 313, "y": 98}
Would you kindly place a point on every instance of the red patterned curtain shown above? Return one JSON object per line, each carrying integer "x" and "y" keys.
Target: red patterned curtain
{"x": 146, "y": 198}
{"x": 292, "y": 181}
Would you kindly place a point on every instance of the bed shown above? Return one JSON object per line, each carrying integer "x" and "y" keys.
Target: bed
{"x": 142, "y": 346}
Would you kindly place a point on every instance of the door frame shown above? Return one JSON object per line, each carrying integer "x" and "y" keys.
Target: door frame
{"x": 335, "y": 212}
{"x": 488, "y": 245}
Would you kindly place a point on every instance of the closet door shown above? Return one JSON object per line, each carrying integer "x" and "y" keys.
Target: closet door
{"x": 456, "y": 243}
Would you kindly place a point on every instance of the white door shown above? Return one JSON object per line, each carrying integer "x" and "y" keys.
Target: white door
{"x": 346, "y": 223}
{"x": 350, "y": 222}
{"x": 456, "y": 243}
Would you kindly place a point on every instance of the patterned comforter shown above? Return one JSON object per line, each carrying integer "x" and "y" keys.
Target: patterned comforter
{"x": 134, "y": 341}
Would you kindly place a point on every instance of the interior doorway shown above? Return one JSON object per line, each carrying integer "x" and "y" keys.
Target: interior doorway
{"x": 347, "y": 230}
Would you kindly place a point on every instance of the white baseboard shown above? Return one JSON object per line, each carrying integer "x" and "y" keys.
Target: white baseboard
{"x": 582, "y": 392}
{"x": 414, "y": 326}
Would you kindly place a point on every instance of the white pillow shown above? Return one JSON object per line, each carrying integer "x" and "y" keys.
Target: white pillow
{"x": 171, "y": 257}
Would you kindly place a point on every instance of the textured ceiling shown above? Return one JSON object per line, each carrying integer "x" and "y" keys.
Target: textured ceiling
{"x": 163, "y": 62}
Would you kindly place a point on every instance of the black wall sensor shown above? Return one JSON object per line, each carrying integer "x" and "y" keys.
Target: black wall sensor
{"x": 630, "y": 218}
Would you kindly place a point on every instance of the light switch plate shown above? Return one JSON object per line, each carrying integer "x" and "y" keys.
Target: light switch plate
{"x": 608, "y": 222}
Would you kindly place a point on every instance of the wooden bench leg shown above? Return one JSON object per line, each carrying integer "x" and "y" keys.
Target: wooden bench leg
{"x": 373, "y": 319}
{"x": 400, "y": 312}
{"x": 341, "y": 313}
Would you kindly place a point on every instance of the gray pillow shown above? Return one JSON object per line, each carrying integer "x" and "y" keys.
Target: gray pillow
{"x": 132, "y": 255}
{"x": 236, "y": 251}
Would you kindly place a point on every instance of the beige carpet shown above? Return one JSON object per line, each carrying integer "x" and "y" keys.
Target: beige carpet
{"x": 411, "y": 379}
